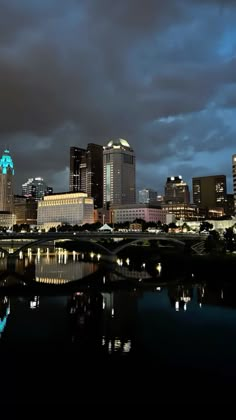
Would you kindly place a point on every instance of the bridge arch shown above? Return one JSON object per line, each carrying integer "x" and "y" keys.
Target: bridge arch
{"x": 123, "y": 246}
{"x": 41, "y": 241}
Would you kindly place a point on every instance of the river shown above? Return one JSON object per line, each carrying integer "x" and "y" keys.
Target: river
{"x": 148, "y": 343}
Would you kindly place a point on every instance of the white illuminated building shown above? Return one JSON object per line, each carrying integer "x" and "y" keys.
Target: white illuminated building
{"x": 65, "y": 208}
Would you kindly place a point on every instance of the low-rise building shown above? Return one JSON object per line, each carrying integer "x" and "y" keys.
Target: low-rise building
{"x": 25, "y": 210}
{"x": 73, "y": 208}
{"x": 7, "y": 219}
{"x": 131, "y": 212}
{"x": 219, "y": 225}
{"x": 181, "y": 211}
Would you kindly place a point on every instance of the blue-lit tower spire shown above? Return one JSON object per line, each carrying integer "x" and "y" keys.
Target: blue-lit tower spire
{"x": 6, "y": 182}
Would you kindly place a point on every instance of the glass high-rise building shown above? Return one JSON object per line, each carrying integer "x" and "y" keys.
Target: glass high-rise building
{"x": 118, "y": 173}
{"x": 6, "y": 183}
{"x": 76, "y": 159}
{"x": 86, "y": 171}
{"x": 147, "y": 196}
{"x": 36, "y": 188}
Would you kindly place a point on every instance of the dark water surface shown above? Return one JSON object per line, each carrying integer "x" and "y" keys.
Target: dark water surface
{"x": 172, "y": 344}
{"x": 123, "y": 346}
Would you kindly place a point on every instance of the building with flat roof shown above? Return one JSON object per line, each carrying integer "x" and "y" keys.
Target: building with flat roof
{"x": 129, "y": 213}
{"x": 147, "y": 195}
{"x": 209, "y": 192}
{"x": 7, "y": 219}
{"x": 25, "y": 210}
{"x": 181, "y": 211}
{"x": 73, "y": 208}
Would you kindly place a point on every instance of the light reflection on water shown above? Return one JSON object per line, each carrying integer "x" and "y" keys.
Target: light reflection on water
{"x": 60, "y": 267}
{"x": 113, "y": 318}
{"x": 145, "y": 327}
{"x": 53, "y": 268}
{"x": 171, "y": 326}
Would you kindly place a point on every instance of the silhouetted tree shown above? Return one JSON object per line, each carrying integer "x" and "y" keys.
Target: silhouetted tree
{"x": 206, "y": 226}
{"x": 229, "y": 239}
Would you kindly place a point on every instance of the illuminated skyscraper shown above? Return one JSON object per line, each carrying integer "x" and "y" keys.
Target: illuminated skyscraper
{"x": 86, "y": 171}
{"x": 176, "y": 191}
{"x": 118, "y": 173}
{"x": 36, "y": 188}
{"x": 6, "y": 182}
{"x": 76, "y": 159}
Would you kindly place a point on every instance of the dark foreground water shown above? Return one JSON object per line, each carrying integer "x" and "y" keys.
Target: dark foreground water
{"x": 168, "y": 345}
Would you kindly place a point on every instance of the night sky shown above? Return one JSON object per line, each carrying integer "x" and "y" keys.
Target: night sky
{"x": 159, "y": 73}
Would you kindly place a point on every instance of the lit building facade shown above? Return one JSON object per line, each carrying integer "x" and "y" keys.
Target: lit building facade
{"x": 36, "y": 188}
{"x": 76, "y": 156}
{"x": 118, "y": 173}
{"x": 147, "y": 195}
{"x": 65, "y": 208}
{"x": 176, "y": 191}
{"x": 6, "y": 182}
{"x": 181, "y": 211}
{"x": 209, "y": 192}
{"x": 145, "y": 212}
{"x": 25, "y": 210}
{"x": 86, "y": 171}
{"x": 7, "y": 220}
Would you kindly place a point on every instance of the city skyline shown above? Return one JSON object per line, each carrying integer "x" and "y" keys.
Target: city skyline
{"x": 163, "y": 77}
{"x": 19, "y": 187}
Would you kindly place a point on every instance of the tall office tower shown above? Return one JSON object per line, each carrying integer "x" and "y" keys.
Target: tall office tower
{"x": 234, "y": 179}
{"x": 176, "y": 191}
{"x": 86, "y": 171}
{"x": 147, "y": 196}
{"x": 6, "y": 183}
{"x": 209, "y": 192}
{"x": 118, "y": 173}
{"x": 36, "y": 188}
{"x": 76, "y": 157}
{"x": 94, "y": 176}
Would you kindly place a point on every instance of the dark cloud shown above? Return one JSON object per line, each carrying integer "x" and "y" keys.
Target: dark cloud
{"x": 161, "y": 74}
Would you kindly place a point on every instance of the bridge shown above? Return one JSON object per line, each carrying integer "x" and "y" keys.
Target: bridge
{"x": 194, "y": 242}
